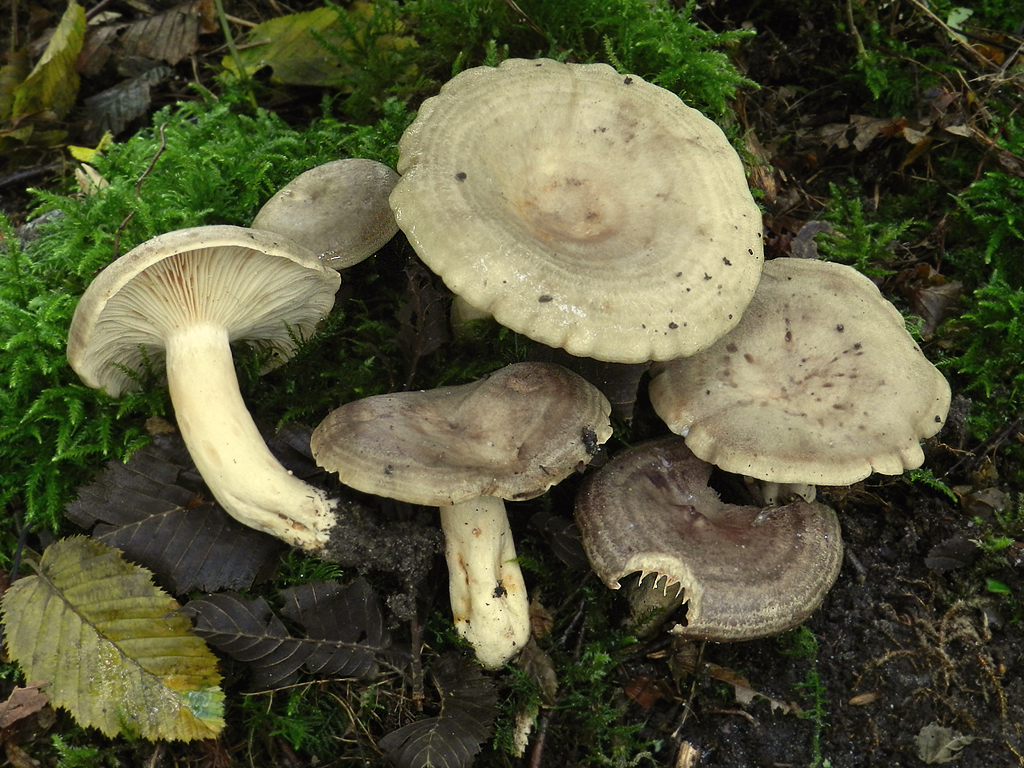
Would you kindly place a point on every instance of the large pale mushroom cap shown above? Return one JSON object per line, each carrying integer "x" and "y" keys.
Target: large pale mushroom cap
{"x": 265, "y": 289}
{"x": 338, "y": 210}
{"x": 819, "y": 383}
{"x": 744, "y": 572}
{"x": 586, "y": 209}
{"x": 511, "y": 435}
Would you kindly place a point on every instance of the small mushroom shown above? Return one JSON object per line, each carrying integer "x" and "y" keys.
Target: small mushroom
{"x": 819, "y": 383}
{"x": 466, "y": 449}
{"x": 744, "y": 572}
{"x": 178, "y": 301}
{"x": 338, "y": 210}
{"x": 588, "y": 210}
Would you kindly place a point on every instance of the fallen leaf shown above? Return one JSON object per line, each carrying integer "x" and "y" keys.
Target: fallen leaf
{"x": 116, "y": 650}
{"x": 936, "y": 744}
{"x": 52, "y": 85}
{"x": 454, "y": 736}
{"x": 22, "y": 702}
{"x": 170, "y": 36}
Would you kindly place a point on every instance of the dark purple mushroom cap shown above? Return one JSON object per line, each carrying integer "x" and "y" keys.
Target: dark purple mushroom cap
{"x": 746, "y": 572}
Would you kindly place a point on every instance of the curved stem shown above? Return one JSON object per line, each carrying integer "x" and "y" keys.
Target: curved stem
{"x": 229, "y": 451}
{"x": 489, "y": 601}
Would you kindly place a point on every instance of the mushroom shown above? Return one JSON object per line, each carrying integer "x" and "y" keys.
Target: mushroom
{"x": 179, "y": 301}
{"x": 338, "y": 210}
{"x": 465, "y": 449}
{"x": 819, "y": 383}
{"x": 744, "y": 572}
{"x": 586, "y": 209}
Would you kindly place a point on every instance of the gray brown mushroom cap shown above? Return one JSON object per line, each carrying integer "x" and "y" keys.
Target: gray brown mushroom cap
{"x": 745, "y": 572}
{"x": 338, "y": 210}
{"x": 513, "y": 435}
{"x": 586, "y": 209}
{"x": 466, "y": 449}
{"x": 819, "y": 383}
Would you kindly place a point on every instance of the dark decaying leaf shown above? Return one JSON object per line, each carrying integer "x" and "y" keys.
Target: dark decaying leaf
{"x": 423, "y": 317}
{"x": 170, "y": 36}
{"x": 953, "y": 553}
{"x": 22, "y": 703}
{"x": 931, "y": 296}
{"x": 113, "y": 109}
{"x": 564, "y": 538}
{"x": 344, "y": 624}
{"x": 803, "y": 245}
{"x": 469, "y": 703}
{"x": 157, "y": 511}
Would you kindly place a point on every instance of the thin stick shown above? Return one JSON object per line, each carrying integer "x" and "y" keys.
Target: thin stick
{"x": 138, "y": 188}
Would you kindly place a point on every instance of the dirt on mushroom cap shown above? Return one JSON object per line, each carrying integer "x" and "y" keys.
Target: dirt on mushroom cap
{"x": 819, "y": 383}
{"x": 585, "y": 209}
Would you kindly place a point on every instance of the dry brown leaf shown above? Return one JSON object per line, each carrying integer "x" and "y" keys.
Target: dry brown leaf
{"x": 173, "y": 35}
{"x": 23, "y": 702}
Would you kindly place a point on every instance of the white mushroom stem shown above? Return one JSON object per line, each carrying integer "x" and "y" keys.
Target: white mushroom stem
{"x": 489, "y": 601}
{"x": 229, "y": 451}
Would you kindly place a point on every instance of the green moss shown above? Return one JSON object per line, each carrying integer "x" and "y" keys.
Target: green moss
{"x": 206, "y": 162}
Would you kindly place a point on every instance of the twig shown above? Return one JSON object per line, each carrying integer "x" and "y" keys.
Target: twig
{"x": 138, "y": 188}
{"x": 235, "y": 57}
{"x": 416, "y": 634}
{"x": 29, "y": 173}
{"x": 537, "y": 750}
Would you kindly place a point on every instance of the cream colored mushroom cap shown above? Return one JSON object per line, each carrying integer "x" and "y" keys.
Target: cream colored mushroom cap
{"x": 338, "y": 210}
{"x": 263, "y": 288}
{"x": 586, "y": 209}
{"x": 819, "y": 383}
{"x": 512, "y": 435}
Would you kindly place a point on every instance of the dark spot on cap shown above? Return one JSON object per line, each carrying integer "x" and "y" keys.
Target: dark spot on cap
{"x": 789, "y": 335}
{"x": 750, "y": 251}
{"x": 628, "y": 80}
{"x": 460, "y": 176}
{"x": 707, "y": 276}
{"x": 589, "y": 438}
{"x": 725, "y": 260}
{"x": 857, "y": 345}
{"x": 748, "y": 357}
{"x": 545, "y": 299}
{"x": 389, "y": 470}
{"x": 673, "y": 326}
{"x": 730, "y": 347}
{"x": 840, "y": 328}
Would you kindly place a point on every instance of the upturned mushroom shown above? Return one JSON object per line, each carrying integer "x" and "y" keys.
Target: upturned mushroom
{"x": 177, "y": 302}
{"x": 819, "y": 383}
{"x": 466, "y": 449}
{"x": 743, "y": 572}
{"x": 586, "y": 209}
{"x": 338, "y": 210}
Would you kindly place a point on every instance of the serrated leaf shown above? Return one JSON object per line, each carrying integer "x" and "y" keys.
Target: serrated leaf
{"x": 453, "y": 737}
{"x": 116, "y": 650}
{"x": 342, "y": 644}
{"x": 53, "y": 84}
{"x": 286, "y": 44}
{"x": 157, "y": 510}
